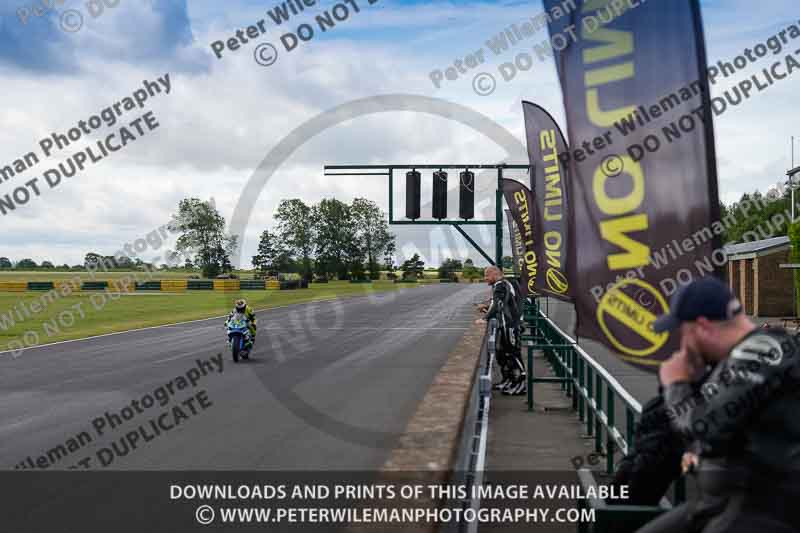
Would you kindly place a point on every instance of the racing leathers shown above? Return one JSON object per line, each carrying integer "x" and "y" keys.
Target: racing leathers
{"x": 744, "y": 424}
{"x": 505, "y": 309}
{"x": 250, "y": 316}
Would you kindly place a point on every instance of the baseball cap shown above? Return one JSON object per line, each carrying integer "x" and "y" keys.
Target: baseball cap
{"x": 707, "y": 297}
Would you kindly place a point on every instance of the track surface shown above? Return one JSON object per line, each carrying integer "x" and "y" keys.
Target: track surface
{"x": 329, "y": 387}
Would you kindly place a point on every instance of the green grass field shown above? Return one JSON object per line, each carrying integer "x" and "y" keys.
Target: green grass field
{"x": 142, "y": 309}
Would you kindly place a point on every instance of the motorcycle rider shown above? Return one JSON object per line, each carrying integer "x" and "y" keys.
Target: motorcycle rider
{"x": 505, "y": 308}
{"x": 740, "y": 418}
{"x": 241, "y": 307}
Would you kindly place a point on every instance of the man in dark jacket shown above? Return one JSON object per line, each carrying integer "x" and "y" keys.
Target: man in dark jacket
{"x": 742, "y": 420}
{"x": 504, "y": 306}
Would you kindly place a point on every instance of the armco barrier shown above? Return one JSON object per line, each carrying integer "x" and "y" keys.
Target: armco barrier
{"x": 200, "y": 285}
{"x": 273, "y": 285}
{"x": 584, "y": 380}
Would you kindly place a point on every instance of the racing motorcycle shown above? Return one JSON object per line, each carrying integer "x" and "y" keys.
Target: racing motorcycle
{"x": 239, "y": 338}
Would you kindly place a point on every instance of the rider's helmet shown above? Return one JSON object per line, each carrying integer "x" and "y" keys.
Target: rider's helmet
{"x": 241, "y": 305}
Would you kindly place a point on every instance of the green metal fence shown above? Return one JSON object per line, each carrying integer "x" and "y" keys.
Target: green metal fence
{"x": 594, "y": 393}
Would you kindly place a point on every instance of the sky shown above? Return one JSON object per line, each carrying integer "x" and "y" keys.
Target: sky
{"x": 359, "y": 93}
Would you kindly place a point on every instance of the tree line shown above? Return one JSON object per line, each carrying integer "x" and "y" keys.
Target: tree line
{"x": 759, "y": 222}
{"x": 329, "y": 239}
{"x": 336, "y": 239}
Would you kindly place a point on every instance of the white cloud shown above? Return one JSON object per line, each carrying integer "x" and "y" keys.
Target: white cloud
{"x": 224, "y": 116}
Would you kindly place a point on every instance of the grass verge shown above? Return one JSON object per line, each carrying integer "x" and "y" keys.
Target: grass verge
{"x": 94, "y": 313}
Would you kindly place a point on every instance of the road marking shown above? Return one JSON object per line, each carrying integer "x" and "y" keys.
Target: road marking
{"x": 180, "y": 356}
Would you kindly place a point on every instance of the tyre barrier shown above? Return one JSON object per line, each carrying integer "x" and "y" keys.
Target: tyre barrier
{"x": 40, "y": 286}
{"x": 171, "y": 285}
{"x": 200, "y": 285}
{"x": 148, "y": 286}
{"x": 252, "y": 285}
{"x": 94, "y": 285}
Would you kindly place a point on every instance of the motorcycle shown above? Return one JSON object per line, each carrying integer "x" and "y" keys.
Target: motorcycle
{"x": 239, "y": 338}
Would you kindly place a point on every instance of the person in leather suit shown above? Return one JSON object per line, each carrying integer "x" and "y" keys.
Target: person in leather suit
{"x": 504, "y": 306}
{"x": 742, "y": 422}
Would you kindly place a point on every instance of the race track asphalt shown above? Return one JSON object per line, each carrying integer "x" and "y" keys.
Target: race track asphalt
{"x": 329, "y": 387}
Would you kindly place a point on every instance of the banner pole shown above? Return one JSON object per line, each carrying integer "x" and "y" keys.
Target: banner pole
{"x": 498, "y": 217}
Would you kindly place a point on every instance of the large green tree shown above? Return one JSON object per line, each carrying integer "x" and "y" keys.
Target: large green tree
{"x": 335, "y": 232}
{"x": 272, "y": 254}
{"x": 794, "y": 238}
{"x": 754, "y": 216}
{"x": 202, "y": 234}
{"x": 296, "y": 230}
{"x": 373, "y": 238}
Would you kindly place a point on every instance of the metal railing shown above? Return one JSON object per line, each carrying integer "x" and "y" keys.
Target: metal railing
{"x": 593, "y": 390}
{"x": 480, "y": 438}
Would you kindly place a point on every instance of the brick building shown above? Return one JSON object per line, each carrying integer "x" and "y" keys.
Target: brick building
{"x": 755, "y": 275}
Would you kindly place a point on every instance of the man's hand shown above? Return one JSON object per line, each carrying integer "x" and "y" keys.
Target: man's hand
{"x": 689, "y": 462}
{"x": 483, "y": 307}
{"x": 676, "y": 368}
{"x": 682, "y": 366}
